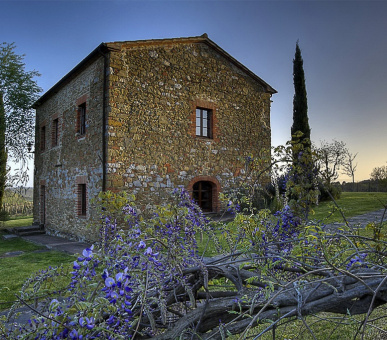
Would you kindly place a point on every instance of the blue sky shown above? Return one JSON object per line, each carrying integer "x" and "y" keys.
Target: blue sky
{"x": 343, "y": 43}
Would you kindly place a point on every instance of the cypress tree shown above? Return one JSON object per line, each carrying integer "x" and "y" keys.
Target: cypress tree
{"x": 302, "y": 188}
{"x": 300, "y": 104}
{"x": 3, "y": 152}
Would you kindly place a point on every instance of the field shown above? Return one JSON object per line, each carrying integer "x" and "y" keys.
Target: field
{"x": 352, "y": 204}
{"x": 18, "y": 203}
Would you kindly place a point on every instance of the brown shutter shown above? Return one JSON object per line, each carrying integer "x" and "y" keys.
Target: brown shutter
{"x": 43, "y": 138}
{"x": 78, "y": 123}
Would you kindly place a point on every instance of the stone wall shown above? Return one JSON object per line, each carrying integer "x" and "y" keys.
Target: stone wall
{"x": 75, "y": 160}
{"x": 154, "y": 90}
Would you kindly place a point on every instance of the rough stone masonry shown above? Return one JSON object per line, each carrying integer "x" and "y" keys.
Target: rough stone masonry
{"x": 141, "y": 101}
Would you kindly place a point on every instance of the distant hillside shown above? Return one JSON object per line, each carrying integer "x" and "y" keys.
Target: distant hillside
{"x": 27, "y": 193}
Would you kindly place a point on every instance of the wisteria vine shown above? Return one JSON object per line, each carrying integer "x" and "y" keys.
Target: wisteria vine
{"x": 146, "y": 278}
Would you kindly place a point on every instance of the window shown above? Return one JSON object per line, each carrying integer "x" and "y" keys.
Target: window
{"x": 81, "y": 119}
{"x": 82, "y": 200}
{"x": 43, "y": 138}
{"x": 55, "y": 133}
{"x": 203, "y": 122}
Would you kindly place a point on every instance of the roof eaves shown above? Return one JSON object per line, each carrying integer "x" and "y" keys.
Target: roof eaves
{"x": 150, "y": 42}
{"x": 221, "y": 51}
{"x": 97, "y": 52}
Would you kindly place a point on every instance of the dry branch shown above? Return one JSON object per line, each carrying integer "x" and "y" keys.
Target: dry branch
{"x": 320, "y": 290}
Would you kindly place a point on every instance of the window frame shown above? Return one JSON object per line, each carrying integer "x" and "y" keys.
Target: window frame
{"x": 208, "y": 106}
{"x": 42, "y": 203}
{"x": 81, "y": 119}
{"x": 203, "y": 121}
{"x": 82, "y": 200}
{"x": 216, "y": 189}
{"x": 43, "y": 138}
{"x": 55, "y": 132}
{"x": 199, "y": 190}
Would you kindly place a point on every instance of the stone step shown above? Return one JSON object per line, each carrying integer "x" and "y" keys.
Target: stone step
{"x": 28, "y": 230}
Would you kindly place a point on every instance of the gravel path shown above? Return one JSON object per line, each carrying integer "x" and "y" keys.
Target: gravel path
{"x": 361, "y": 221}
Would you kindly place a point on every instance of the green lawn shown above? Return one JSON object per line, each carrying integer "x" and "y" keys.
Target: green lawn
{"x": 17, "y": 244}
{"x": 13, "y": 222}
{"x": 16, "y": 269}
{"x": 325, "y": 326}
{"x": 352, "y": 204}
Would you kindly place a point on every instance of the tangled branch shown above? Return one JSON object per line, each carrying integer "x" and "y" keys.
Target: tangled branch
{"x": 149, "y": 281}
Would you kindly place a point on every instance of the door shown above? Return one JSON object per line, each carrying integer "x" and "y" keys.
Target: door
{"x": 42, "y": 205}
{"x": 202, "y": 194}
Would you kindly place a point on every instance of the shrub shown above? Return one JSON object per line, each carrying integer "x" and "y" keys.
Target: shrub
{"x": 4, "y": 216}
{"x": 274, "y": 193}
{"x": 326, "y": 191}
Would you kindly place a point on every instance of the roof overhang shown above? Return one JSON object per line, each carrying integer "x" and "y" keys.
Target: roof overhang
{"x": 94, "y": 55}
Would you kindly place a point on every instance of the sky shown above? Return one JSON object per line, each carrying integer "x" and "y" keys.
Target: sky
{"x": 343, "y": 45}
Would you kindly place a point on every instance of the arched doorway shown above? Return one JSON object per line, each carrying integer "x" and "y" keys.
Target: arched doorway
{"x": 205, "y": 191}
{"x": 202, "y": 193}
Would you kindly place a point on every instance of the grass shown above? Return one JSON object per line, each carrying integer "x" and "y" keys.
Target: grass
{"x": 352, "y": 204}
{"x": 324, "y": 326}
{"x": 17, "y": 244}
{"x": 206, "y": 246}
{"x": 16, "y": 269}
{"x": 14, "y": 222}
{"x": 327, "y": 325}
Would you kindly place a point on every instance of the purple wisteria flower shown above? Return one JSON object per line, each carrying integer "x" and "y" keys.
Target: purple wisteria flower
{"x": 75, "y": 336}
{"x": 89, "y": 323}
{"x": 356, "y": 260}
{"x": 119, "y": 277}
{"x": 141, "y": 245}
{"x": 109, "y": 282}
{"x": 148, "y": 251}
{"x": 117, "y": 269}
{"x": 88, "y": 253}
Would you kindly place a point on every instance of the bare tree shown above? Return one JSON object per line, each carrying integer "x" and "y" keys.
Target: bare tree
{"x": 349, "y": 166}
{"x": 330, "y": 157}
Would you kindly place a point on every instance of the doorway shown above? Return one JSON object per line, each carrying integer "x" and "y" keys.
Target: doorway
{"x": 42, "y": 205}
{"x": 202, "y": 194}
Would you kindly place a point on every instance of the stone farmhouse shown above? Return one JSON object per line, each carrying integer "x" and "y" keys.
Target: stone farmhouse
{"x": 146, "y": 117}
